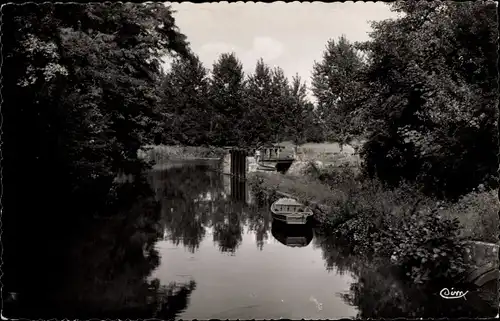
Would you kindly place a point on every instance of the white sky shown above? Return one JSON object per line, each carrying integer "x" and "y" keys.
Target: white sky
{"x": 289, "y": 35}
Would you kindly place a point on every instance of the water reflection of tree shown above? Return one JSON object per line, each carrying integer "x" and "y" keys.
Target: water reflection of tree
{"x": 227, "y": 226}
{"x": 379, "y": 292}
{"x": 193, "y": 198}
{"x": 259, "y": 222}
{"x": 102, "y": 271}
{"x": 189, "y": 195}
{"x": 185, "y": 223}
{"x": 336, "y": 255}
{"x": 118, "y": 266}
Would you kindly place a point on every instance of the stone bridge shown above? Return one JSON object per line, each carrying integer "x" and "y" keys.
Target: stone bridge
{"x": 239, "y": 161}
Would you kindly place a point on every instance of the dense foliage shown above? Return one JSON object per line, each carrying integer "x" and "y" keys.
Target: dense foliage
{"x": 228, "y": 108}
{"x": 336, "y": 85}
{"x": 430, "y": 100}
{"x": 184, "y": 102}
{"x": 80, "y": 89}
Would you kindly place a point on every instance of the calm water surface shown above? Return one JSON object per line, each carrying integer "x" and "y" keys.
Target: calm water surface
{"x": 244, "y": 264}
{"x": 216, "y": 234}
{"x": 198, "y": 246}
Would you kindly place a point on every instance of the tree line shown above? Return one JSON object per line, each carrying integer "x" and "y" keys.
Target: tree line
{"x": 225, "y": 107}
{"x": 422, "y": 92}
{"x": 83, "y": 90}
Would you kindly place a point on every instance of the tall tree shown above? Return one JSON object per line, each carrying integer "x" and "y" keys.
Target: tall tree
{"x": 79, "y": 89}
{"x": 431, "y": 89}
{"x": 281, "y": 103}
{"x": 335, "y": 85}
{"x": 226, "y": 95}
{"x": 302, "y": 124}
{"x": 185, "y": 103}
{"x": 87, "y": 74}
{"x": 259, "y": 98}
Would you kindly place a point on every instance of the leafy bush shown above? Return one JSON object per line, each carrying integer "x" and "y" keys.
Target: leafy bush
{"x": 477, "y": 213}
{"x": 433, "y": 121}
{"x": 261, "y": 192}
{"x": 399, "y": 223}
{"x": 425, "y": 247}
{"x": 338, "y": 177}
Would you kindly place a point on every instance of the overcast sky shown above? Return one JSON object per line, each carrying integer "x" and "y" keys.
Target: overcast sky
{"x": 289, "y": 35}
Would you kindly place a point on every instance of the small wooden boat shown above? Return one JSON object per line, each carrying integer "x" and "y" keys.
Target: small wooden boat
{"x": 290, "y": 211}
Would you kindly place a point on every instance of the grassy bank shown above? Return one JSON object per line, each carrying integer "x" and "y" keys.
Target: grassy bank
{"x": 160, "y": 153}
{"x": 417, "y": 233}
{"x": 327, "y": 202}
{"x": 328, "y": 153}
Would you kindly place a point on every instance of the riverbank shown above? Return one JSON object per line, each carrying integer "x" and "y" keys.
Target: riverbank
{"x": 159, "y": 154}
{"x": 421, "y": 235}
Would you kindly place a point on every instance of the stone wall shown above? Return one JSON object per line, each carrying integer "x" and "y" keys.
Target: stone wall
{"x": 226, "y": 164}
{"x": 484, "y": 260}
{"x": 251, "y": 164}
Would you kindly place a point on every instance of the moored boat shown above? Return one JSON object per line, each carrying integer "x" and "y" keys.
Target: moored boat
{"x": 290, "y": 211}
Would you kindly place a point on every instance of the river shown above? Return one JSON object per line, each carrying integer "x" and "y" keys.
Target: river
{"x": 211, "y": 250}
{"x": 244, "y": 264}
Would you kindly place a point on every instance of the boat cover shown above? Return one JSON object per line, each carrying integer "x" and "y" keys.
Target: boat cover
{"x": 288, "y": 202}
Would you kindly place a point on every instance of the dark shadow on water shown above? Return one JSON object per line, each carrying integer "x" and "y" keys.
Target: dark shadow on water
{"x": 292, "y": 235}
{"x": 93, "y": 268}
{"x": 379, "y": 293}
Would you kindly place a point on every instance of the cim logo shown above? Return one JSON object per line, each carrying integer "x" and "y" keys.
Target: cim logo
{"x": 452, "y": 294}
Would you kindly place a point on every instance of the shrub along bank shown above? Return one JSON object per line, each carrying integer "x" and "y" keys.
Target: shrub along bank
{"x": 419, "y": 234}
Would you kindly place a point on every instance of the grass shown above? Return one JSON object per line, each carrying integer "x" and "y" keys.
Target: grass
{"x": 306, "y": 190}
{"x": 161, "y": 153}
{"x": 328, "y": 153}
{"x": 342, "y": 197}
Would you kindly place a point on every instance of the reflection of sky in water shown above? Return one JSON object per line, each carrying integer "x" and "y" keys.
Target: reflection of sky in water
{"x": 277, "y": 281}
